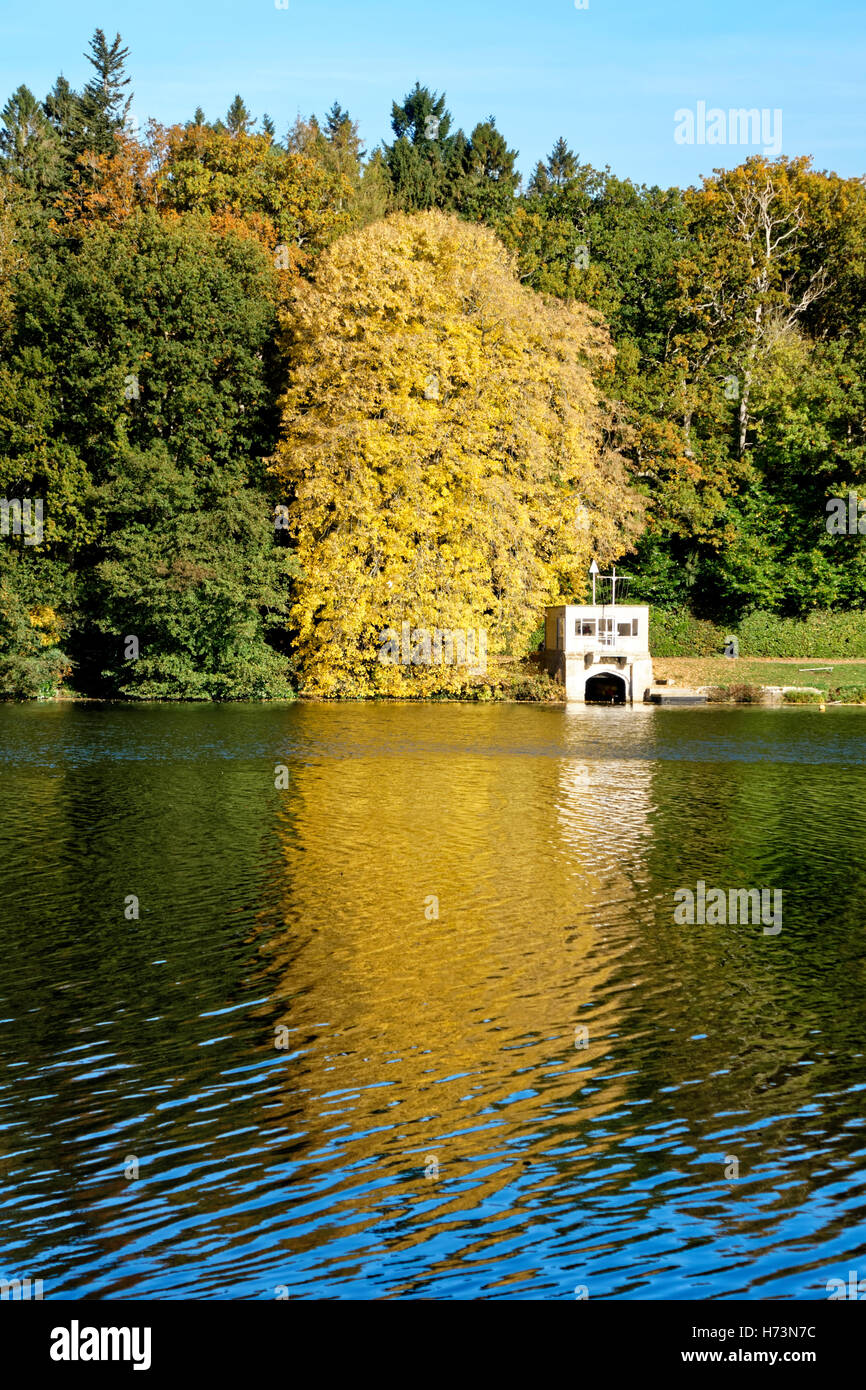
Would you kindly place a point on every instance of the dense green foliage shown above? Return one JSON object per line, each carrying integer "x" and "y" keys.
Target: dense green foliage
{"x": 677, "y": 632}
{"x": 817, "y": 634}
{"x": 136, "y": 404}
{"x": 142, "y": 282}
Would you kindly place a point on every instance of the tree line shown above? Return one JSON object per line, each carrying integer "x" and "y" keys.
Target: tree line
{"x": 275, "y": 390}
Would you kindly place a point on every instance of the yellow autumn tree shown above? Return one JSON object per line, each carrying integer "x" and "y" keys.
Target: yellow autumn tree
{"x": 442, "y": 455}
{"x": 292, "y": 202}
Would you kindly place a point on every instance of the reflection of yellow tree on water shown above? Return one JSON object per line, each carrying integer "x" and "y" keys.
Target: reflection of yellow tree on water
{"x": 451, "y": 1036}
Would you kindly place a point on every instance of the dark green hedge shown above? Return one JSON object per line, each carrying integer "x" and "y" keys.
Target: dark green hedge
{"x": 676, "y": 632}
{"x": 819, "y": 634}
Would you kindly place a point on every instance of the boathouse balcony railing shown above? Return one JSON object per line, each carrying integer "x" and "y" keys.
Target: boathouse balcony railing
{"x": 608, "y": 639}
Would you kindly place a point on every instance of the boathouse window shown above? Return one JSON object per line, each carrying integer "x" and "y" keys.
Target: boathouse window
{"x": 634, "y": 627}
{"x": 584, "y": 627}
{"x": 623, "y": 629}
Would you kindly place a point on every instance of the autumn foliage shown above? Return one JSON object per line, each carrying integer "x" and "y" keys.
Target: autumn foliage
{"x": 442, "y": 455}
{"x": 282, "y": 394}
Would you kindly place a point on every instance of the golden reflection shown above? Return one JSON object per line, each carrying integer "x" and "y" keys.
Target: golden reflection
{"x": 445, "y": 918}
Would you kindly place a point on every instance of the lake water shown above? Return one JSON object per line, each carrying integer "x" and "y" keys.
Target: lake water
{"x": 289, "y": 1075}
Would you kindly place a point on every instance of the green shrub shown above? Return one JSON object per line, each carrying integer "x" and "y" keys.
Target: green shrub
{"x": 32, "y": 661}
{"x": 817, "y": 635}
{"x": 535, "y": 687}
{"x": 850, "y": 694}
{"x": 676, "y": 632}
{"x": 801, "y": 697}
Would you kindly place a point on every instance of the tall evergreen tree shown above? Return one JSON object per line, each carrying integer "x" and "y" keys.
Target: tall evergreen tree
{"x": 238, "y": 119}
{"x": 562, "y": 165}
{"x": 487, "y": 178}
{"x": 105, "y": 103}
{"x": 29, "y": 145}
{"x": 539, "y": 182}
{"x": 342, "y": 150}
{"x": 62, "y": 107}
{"x": 420, "y": 161}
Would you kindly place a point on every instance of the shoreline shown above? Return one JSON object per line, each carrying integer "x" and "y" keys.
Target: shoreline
{"x": 764, "y": 697}
{"x": 712, "y": 680}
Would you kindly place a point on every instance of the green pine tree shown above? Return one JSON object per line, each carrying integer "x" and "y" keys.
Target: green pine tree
{"x": 562, "y": 165}
{"x": 238, "y": 119}
{"x": 421, "y": 159}
{"x": 104, "y": 103}
{"x": 29, "y": 145}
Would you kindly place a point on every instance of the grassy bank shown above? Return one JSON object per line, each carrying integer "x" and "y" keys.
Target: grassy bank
{"x": 839, "y": 680}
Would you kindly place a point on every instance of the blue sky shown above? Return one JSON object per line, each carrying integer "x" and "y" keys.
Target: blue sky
{"x": 609, "y": 77}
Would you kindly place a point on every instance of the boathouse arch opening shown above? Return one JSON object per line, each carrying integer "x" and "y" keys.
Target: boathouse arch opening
{"x": 606, "y": 688}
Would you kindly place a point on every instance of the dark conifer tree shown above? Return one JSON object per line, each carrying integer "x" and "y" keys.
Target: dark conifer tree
{"x": 485, "y": 177}
{"x": 238, "y": 119}
{"x": 420, "y": 161}
{"x": 29, "y": 145}
{"x": 562, "y": 164}
{"x": 104, "y": 104}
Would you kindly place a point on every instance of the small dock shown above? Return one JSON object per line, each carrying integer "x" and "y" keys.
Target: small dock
{"x": 674, "y": 695}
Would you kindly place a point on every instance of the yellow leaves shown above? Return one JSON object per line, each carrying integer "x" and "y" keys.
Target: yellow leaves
{"x": 291, "y": 201}
{"x": 291, "y": 204}
{"x": 441, "y": 421}
{"x": 49, "y": 622}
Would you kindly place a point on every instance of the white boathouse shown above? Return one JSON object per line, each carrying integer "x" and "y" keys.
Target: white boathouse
{"x": 600, "y": 651}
